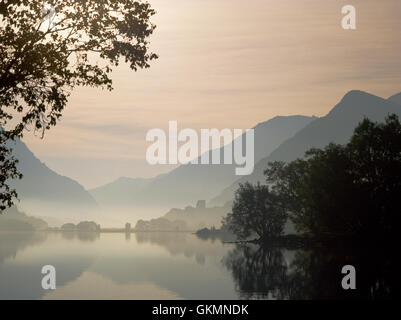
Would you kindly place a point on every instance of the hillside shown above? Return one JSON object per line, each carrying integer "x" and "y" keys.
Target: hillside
{"x": 188, "y": 183}
{"x": 337, "y": 126}
{"x": 43, "y": 191}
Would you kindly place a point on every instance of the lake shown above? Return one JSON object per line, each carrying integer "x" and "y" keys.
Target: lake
{"x": 170, "y": 265}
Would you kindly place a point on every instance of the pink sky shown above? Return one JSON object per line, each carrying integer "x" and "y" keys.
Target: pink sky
{"x": 225, "y": 64}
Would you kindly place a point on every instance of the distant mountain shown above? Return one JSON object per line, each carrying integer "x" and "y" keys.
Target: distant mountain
{"x": 337, "y": 126}
{"x": 188, "y": 183}
{"x": 121, "y": 191}
{"x": 14, "y": 220}
{"x": 396, "y": 98}
{"x": 43, "y": 191}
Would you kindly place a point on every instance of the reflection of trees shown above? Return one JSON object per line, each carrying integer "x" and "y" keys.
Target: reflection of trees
{"x": 88, "y": 236}
{"x": 257, "y": 272}
{"x": 161, "y": 238}
{"x": 183, "y": 243}
{"x": 317, "y": 274}
{"x": 81, "y": 236}
{"x": 312, "y": 274}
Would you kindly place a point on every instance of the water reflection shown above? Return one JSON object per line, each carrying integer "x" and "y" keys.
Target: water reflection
{"x": 175, "y": 261}
{"x": 312, "y": 274}
{"x": 179, "y": 265}
{"x": 257, "y": 272}
{"x": 182, "y": 243}
{"x": 82, "y": 236}
{"x": 12, "y": 242}
{"x": 149, "y": 266}
{"x": 22, "y": 256}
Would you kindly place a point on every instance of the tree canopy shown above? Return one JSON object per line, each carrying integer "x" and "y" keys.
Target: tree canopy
{"x": 255, "y": 211}
{"x": 349, "y": 190}
{"x": 8, "y": 166}
{"x": 46, "y": 51}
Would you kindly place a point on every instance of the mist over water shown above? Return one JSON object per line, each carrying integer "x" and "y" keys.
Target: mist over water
{"x": 107, "y": 216}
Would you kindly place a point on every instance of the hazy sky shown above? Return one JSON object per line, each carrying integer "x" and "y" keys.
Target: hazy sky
{"x": 225, "y": 64}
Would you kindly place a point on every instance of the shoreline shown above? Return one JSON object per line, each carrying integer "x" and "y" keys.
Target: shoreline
{"x": 117, "y": 230}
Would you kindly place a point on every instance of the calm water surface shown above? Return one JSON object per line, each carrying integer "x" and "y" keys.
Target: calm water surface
{"x": 107, "y": 266}
{"x": 182, "y": 266}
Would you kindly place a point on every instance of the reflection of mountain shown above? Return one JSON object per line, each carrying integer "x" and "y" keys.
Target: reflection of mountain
{"x": 13, "y": 242}
{"x": 188, "y": 183}
{"x": 337, "y": 126}
{"x": 177, "y": 262}
{"x": 43, "y": 188}
{"x": 20, "y": 269}
{"x": 107, "y": 289}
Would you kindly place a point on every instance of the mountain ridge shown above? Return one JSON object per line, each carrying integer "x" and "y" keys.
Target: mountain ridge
{"x": 42, "y": 189}
{"x": 396, "y": 98}
{"x": 188, "y": 183}
{"x": 352, "y": 108}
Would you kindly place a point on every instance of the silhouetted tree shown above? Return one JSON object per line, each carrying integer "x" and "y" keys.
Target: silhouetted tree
{"x": 375, "y": 152}
{"x": 8, "y": 167}
{"x": 316, "y": 190}
{"x": 256, "y": 211}
{"x": 45, "y": 52}
{"x": 348, "y": 190}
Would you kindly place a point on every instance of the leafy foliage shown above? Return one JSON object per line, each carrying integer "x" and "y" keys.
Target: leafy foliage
{"x": 8, "y": 167}
{"x": 348, "y": 190}
{"x": 45, "y": 52}
{"x": 255, "y": 211}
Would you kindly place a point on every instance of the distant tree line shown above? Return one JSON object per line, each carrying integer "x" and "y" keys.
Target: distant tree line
{"x": 351, "y": 190}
